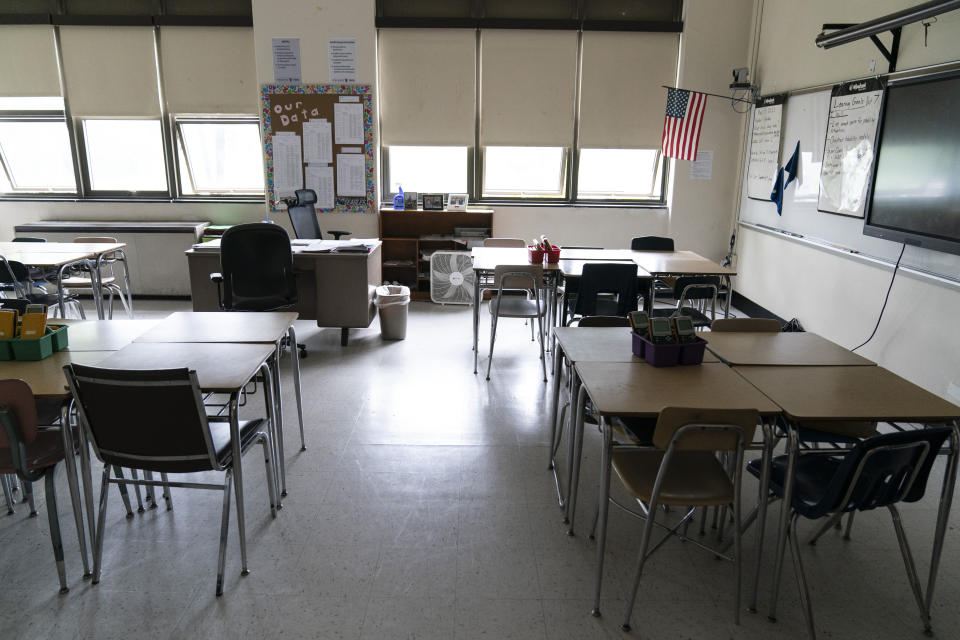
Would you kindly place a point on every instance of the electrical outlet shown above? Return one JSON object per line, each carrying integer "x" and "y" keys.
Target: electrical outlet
{"x": 872, "y": 66}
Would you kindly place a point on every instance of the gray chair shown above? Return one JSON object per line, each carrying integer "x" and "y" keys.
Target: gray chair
{"x": 109, "y": 282}
{"x": 528, "y": 277}
{"x": 118, "y": 409}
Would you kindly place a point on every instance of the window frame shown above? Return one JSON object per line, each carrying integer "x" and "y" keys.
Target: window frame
{"x": 565, "y": 193}
{"x": 386, "y": 196}
{"x": 179, "y": 143}
{"x": 660, "y": 162}
{"x": 105, "y": 194}
{"x": 38, "y": 115}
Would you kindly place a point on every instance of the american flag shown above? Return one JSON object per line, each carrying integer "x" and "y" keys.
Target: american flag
{"x": 681, "y": 129}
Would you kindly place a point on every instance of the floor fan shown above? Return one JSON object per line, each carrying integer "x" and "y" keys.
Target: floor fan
{"x": 451, "y": 277}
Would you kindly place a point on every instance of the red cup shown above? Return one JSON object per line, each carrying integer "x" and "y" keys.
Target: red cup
{"x": 534, "y": 254}
{"x": 553, "y": 255}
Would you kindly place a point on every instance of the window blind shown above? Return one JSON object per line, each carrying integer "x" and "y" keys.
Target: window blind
{"x": 28, "y": 61}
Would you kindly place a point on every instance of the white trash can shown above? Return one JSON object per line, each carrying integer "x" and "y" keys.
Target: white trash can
{"x": 393, "y": 302}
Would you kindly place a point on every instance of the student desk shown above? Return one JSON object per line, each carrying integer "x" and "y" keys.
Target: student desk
{"x": 335, "y": 289}
{"x": 855, "y": 393}
{"x": 269, "y": 327}
{"x": 793, "y": 349}
{"x": 90, "y": 335}
{"x": 662, "y": 264}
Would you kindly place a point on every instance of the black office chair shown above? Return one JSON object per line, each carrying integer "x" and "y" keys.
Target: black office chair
{"x": 878, "y": 472}
{"x": 256, "y": 270}
{"x": 303, "y": 216}
{"x": 599, "y": 277}
{"x": 15, "y": 277}
{"x": 651, "y": 243}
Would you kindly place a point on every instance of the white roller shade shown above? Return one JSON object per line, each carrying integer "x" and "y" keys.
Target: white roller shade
{"x": 527, "y": 87}
{"x": 110, "y": 71}
{"x": 622, "y": 103}
{"x": 427, "y": 86}
{"x": 28, "y": 61}
{"x": 209, "y": 70}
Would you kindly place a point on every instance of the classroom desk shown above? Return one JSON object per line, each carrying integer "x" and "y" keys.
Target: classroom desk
{"x": 641, "y": 390}
{"x": 242, "y": 327}
{"x": 662, "y": 264}
{"x": 88, "y": 335}
{"x": 335, "y": 289}
{"x": 793, "y": 349}
{"x": 853, "y": 393}
{"x": 221, "y": 368}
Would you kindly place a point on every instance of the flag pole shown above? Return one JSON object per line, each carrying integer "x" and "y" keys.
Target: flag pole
{"x": 715, "y": 95}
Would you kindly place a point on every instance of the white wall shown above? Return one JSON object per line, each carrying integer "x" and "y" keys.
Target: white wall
{"x": 834, "y": 295}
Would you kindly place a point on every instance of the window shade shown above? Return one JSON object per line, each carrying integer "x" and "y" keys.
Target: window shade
{"x": 527, "y": 87}
{"x": 28, "y": 61}
{"x": 110, "y": 71}
{"x": 209, "y": 70}
{"x": 427, "y": 86}
{"x": 622, "y": 104}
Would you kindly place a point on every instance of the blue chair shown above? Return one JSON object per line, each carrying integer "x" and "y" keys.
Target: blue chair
{"x": 877, "y": 472}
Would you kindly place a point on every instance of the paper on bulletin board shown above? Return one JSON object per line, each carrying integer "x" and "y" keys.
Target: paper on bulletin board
{"x": 702, "y": 167}
{"x": 850, "y": 146}
{"x": 342, "y": 56}
{"x": 317, "y": 141}
{"x": 287, "y": 163}
{"x": 286, "y": 60}
{"x": 348, "y": 123}
{"x": 320, "y": 179}
{"x": 351, "y": 180}
{"x": 765, "y": 146}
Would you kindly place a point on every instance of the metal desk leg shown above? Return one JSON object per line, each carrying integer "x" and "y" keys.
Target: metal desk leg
{"x": 295, "y": 357}
{"x": 85, "y": 475}
{"x": 278, "y": 409}
{"x": 122, "y": 258}
{"x": 476, "y": 318}
{"x": 768, "y": 442}
{"x": 575, "y": 449}
{"x": 238, "y": 479}
{"x": 70, "y": 462}
{"x": 943, "y": 515}
{"x": 270, "y": 407}
{"x": 792, "y": 452}
{"x": 603, "y": 505}
{"x": 555, "y": 409}
{"x": 95, "y": 287}
{"x": 726, "y": 305}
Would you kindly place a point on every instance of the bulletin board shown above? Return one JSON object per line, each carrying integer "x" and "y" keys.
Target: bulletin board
{"x": 319, "y": 136}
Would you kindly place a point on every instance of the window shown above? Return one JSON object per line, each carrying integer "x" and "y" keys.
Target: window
{"x": 427, "y": 169}
{"x": 620, "y": 174}
{"x": 125, "y": 155}
{"x": 35, "y": 152}
{"x": 524, "y": 172}
{"x": 220, "y": 157}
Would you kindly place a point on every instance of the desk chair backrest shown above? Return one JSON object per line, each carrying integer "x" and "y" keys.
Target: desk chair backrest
{"x": 16, "y": 398}
{"x": 759, "y": 325}
{"x": 28, "y": 239}
{"x": 527, "y": 277}
{"x": 877, "y": 472}
{"x": 14, "y": 275}
{"x": 705, "y": 429}
{"x": 257, "y": 267}
{"x": 303, "y": 215}
{"x": 151, "y": 420}
{"x": 603, "y": 321}
{"x": 651, "y": 243}
{"x": 599, "y": 277}
{"x": 504, "y": 242}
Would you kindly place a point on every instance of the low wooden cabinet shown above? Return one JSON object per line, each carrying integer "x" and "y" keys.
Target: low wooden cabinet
{"x": 409, "y": 237}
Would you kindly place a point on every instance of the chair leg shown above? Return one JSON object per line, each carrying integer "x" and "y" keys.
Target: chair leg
{"x": 831, "y": 521}
{"x": 7, "y": 493}
{"x": 909, "y": 565}
{"x": 805, "y": 603}
{"x": 641, "y": 560}
{"x": 846, "y": 533}
{"x": 493, "y": 337}
{"x": 543, "y": 360}
{"x": 117, "y": 471}
{"x": 224, "y": 530}
{"x": 29, "y": 498}
{"x": 136, "y": 490}
{"x": 150, "y": 494}
{"x": 271, "y": 489}
{"x": 166, "y": 491}
{"x": 54, "y": 519}
{"x": 101, "y": 523}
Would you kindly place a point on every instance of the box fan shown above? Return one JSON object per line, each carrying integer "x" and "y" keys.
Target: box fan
{"x": 451, "y": 277}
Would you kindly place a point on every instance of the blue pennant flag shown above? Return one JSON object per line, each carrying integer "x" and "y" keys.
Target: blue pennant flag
{"x": 792, "y": 168}
{"x": 777, "y": 194}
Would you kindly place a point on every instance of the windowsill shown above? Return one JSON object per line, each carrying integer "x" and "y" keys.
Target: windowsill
{"x": 75, "y": 199}
{"x": 558, "y": 205}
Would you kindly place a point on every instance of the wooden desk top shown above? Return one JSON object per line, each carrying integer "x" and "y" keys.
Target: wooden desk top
{"x": 46, "y": 258}
{"x": 103, "y": 335}
{"x": 621, "y": 389}
{"x": 574, "y": 268}
{"x": 602, "y": 344}
{"x": 222, "y": 368}
{"x": 679, "y": 263}
{"x": 45, "y": 377}
{"x": 848, "y": 393}
{"x": 219, "y": 326}
{"x": 94, "y": 248}
{"x": 488, "y": 258}
{"x": 796, "y": 349}
{"x": 597, "y": 254}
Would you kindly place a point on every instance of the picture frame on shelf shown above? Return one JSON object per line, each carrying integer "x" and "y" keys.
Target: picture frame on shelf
{"x": 457, "y": 202}
{"x": 433, "y": 202}
{"x": 410, "y": 200}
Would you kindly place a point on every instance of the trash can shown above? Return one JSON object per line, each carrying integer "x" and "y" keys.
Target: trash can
{"x": 392, "y": 303}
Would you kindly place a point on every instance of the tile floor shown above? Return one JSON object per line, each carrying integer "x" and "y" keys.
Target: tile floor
{"x": 422, "y": 508}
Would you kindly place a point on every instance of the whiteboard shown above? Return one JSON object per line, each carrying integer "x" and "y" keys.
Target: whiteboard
{"x": 805, "y": 120}
{"x": 764, "y": 159}
{"x": 850, "y": 147}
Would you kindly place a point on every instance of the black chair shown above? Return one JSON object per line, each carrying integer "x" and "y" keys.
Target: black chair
{"x": 651, "y": 243}
{"x": 15, "y": 277}
{"x": 599, "y": 277}
{"x": 155, "y": 421}
{"x": 693, "y": 289}
{"x": 256, "y": 270}
{"x": 27, "y": 239}
{"x": 877, "y": 472}
{"x": 303, "y": 216}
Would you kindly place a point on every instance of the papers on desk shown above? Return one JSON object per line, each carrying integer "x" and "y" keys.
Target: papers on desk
{"x": 359, "y": 245}
{"x": 211, "y": 246}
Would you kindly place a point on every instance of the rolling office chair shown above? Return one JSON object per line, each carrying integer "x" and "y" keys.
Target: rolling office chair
{"x": 303, "y": 216}
{"x": 256, "y": 270}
